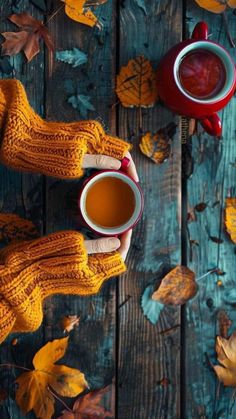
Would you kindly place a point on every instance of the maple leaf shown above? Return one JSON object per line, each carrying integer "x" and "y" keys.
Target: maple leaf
{"x": 157, "y": 146}
{"x": 226, "y": 355}
{"x": 34, "y": 391}
{"x": 177, "y": 287}
{"x": 27, "y": 39}
{"x": 216, "y": 6}
{"x": 14, "y": 228}
{"x": 230, "y": 218}
{"x": 74, "y": 57}
{"x": 78, "y": 11}
{"x": 136, "y": 83}
{"x": 87, "y": 407}
{"x": 69, "y": 322}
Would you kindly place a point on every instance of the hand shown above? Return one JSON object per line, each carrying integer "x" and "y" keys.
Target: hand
{"x": 109, "y": 244}
{"x": 100, "y": 161}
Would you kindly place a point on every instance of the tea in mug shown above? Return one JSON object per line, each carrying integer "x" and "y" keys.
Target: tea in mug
{"x": 110, "y": 202}
{"x": 202, "y": 74}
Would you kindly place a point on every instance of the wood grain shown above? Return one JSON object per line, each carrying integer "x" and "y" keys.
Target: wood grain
{"x": 213, "y": 180}
{"x": 146, "y": 357}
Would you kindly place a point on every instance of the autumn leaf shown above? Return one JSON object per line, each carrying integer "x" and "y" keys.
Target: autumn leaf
{"x": 226, "y": 355}
{"x": 136, "y": 83}
{"x": 87, "y": 407}
{"x": 69, "y": 322}
{"x": 33, "y": 392}
{"x": 14, "y": 228}
{"x": 75, "y": 57}
{"x": 157, "y": 146}
{"x": 230, "y": 218}
{"x": 216, "y": 6}
{"x": 77, "y": 10}
{"x": 27, "y": 39}
{"x": 177, "y": 287}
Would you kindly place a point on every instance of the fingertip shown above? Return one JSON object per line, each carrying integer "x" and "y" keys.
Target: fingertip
{"x": 114, "y": 243}
{"x": 115, "y": 164}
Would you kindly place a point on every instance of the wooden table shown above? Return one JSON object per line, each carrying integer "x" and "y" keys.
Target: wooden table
{"x": 160, "y": 371}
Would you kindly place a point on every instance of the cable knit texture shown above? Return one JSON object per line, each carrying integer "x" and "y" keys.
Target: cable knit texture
{"x": 57, "y": 264}
{"x": 56, "y": 149}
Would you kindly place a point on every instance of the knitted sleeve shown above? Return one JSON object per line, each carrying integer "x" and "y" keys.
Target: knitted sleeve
{"x": 32, "y": 144}
{"x": 56, "y": 264}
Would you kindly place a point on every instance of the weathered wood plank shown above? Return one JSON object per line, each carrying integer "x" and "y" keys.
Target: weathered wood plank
{"x": 23, "y": 195}
{"x": 92, "y": 345}
{"x": 145, "y": 355}
{"x": 213, "y": 180}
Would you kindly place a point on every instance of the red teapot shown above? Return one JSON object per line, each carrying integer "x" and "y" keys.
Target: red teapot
{"x": 197, "y": 78}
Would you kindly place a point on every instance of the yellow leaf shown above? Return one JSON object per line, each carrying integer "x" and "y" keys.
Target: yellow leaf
{"x": 69, "y": 322}
{"x": 75, "y": 10}
{"x": 226, "y": 355}
{"x": 157, "y": 146}
{"x": 33, "y": 392}
{"x": 136, "y": 83}
{"x": 177, "y": 287}
{"x": 230, "y": 218}
{"x": 216, "y": 6}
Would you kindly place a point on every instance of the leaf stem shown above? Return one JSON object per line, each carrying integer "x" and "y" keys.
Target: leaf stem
{"x": 59, "y": 399}
{"x": 54, "y": 14}
{"x": 15, "y": 366}
{"x": 226, "y": 25}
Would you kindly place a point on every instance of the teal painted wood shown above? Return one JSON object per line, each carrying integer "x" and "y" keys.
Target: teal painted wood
{"x": 145, "y": 355}
{"x": 21, "y": 194}
{"x": 214, "y": 179}
{"x": 92, "y": 345}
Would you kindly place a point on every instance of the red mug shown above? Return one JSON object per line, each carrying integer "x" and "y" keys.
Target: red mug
{"x": 180, "y": 100}
{"x": 138, "y": 195}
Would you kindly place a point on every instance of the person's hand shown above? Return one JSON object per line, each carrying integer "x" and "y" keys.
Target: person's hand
{"x": 109, "y": 244}
{"x": 100, "y": 161}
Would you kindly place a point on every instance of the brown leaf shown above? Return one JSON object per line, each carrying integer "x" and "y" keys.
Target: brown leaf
{"x": 136, "y": 83}
{"x": 230, "y": 218}
{"x": 69, "y": 322}
{"x": 87, "y": 407}
{"x": 224, "y": 323}
{"x": 200, "y": 207}
{"x": 27, "y": 39}
{"x": 157, "y": 146}
{"x": 226, "y": 355}
{"x": 177, "y": 287}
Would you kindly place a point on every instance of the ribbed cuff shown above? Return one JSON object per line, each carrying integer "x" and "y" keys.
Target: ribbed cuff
{"x": 114, "y": 147}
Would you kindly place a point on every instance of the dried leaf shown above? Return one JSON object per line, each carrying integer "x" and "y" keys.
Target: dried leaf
{"x": 216, "y": 6}
{"x": 69, "y": 322}
{"x": 75, "y": 57}
{"x": 33, "y": 392}
{"x": 136, "y": 83}
{"x": 216, "y": 239}
{"x": 230, "y": 218}
{"x": 177, "y": 287}
{"x": 200, "y": 207}
{"x": 14, "y": 228}
{"x": 27, "y": 39}
{"x": 76, "y": 10}
{"x": 157, "y": 147}
{"x": 82, "y": 103}
{"x": 151, "y": 309}
{"x": 224, "y": 323}
{"x": 226, "y": 355}
{"x": 87, "y": 407}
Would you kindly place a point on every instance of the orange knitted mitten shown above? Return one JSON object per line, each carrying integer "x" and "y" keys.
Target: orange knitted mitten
{"x": 57, "y": 264}
{"x": 32, "y": 144}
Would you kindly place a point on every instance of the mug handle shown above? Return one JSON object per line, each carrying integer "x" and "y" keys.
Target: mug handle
{"x": 200, "y": 31}
{"x": 212, "y": 125}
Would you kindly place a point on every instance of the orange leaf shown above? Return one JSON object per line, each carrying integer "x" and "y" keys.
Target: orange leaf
{"x": 177, "y": 287}
{"x": 69, "y": 322}
{"x": 14, "y": 228}
{"x": 75, "y": 10}
{"x": 216, "y": 6}
{"x": 33, "y": 392}
{"x": 230, "y": 218}
{"x": 157, "y": 146}
{"x": 88, "y": 407}
{"x": 136, "y": 83}
{"x": 226, "y": 355}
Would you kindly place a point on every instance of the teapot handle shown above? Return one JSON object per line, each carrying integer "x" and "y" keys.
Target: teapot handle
{"x": 212, "y": 125}
{"x": 200, "y": 31}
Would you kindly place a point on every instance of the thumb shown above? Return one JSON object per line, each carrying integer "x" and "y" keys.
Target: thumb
{"x": 106, "y": 244}
{"x": 100, "y": 161}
